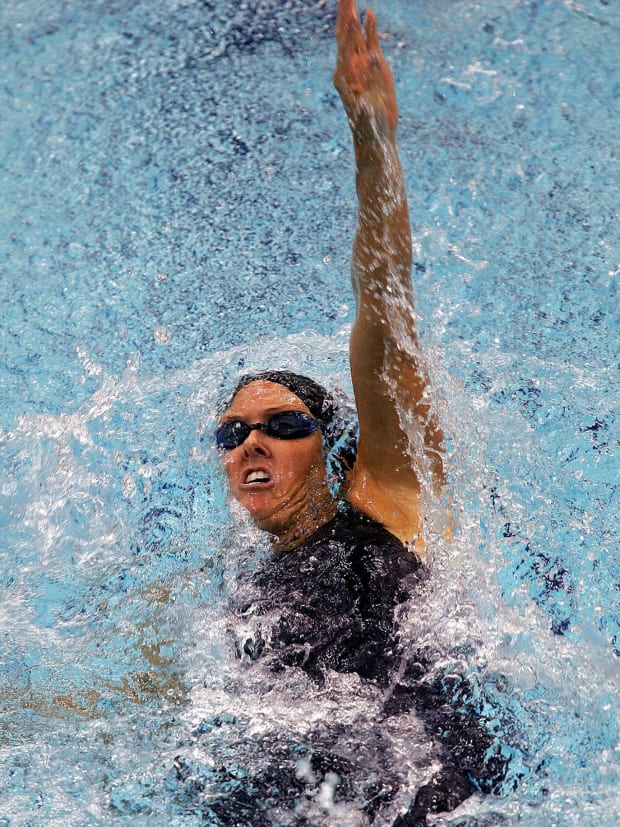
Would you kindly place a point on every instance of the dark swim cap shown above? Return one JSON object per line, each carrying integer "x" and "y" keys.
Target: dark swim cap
{"x": 314, "y": 396}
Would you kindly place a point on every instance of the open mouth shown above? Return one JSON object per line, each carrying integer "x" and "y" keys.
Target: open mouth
{"x": 257, "y": 478}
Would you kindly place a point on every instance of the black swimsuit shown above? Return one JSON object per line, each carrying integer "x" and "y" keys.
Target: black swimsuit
{"x": 335, "y": 596}
{"x": 332, "y": 604}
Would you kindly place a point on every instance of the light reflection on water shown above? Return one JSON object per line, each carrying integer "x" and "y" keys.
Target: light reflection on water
{"x": 159, "y": 225}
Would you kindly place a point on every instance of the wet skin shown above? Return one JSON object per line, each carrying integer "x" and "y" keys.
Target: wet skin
{"x": 281, "y": 483}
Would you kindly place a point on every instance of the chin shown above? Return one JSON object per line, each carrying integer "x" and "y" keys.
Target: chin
{"x": 262, "y": 517}
{"x": 267, "y": 523}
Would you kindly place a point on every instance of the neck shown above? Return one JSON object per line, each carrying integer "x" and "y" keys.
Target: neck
{"x": 304, "y": 527}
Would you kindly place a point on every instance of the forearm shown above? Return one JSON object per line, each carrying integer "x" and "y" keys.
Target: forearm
{"x": 382, "y": 255}
{"x": 384, "y": 352}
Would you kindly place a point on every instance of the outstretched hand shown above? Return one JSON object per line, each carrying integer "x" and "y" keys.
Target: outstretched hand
{"x": 363, "y": 77}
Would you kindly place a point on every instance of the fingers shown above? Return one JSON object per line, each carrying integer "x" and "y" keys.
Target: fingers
{"x": 348, "y": 26}
{"x": 351, "y": 46}
{"x": 348, "y": 15}
{"x": 372, "y": 38}
{"x": 349, "y": 31}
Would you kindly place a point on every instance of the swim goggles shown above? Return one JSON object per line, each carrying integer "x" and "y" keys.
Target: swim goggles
{"x": 283, "y": 425}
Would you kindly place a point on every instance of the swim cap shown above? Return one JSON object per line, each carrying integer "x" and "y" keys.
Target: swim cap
{"x": 314, "y": 396}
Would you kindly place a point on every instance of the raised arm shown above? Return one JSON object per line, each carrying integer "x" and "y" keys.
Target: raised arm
{"x": 389, "y": 383}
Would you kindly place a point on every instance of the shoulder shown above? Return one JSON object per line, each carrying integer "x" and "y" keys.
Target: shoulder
{"x": 351, "y": 545}
{"x": 391, "y": 502}
{"x": 380, "y": 570}
{"x": 372, "y": 544}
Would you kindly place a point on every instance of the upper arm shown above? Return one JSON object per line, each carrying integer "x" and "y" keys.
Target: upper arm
{"x": 399, "y": 439}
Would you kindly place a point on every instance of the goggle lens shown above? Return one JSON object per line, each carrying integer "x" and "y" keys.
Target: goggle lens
{"x": 284, "y": 425}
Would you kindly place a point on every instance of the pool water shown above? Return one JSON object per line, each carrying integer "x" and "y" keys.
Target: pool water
{"x": 179, "y": 207}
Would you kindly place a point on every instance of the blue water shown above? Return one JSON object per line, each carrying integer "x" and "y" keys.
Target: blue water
{"x": 178, "y": 206}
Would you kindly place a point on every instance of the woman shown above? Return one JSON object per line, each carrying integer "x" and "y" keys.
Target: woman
{"x": 344, "y": 564}
{"x": 283, "y": 482}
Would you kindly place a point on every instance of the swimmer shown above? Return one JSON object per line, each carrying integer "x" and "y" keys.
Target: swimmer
{"x": 345, "y": 562}
{"x": 272, "y": 433}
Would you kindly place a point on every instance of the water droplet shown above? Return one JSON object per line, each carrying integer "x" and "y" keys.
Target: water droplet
{"x": 128, "y": 487}
{"x": 162, "y": 335}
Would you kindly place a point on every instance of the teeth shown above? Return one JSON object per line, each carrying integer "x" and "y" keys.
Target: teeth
{"x": 256, "y": 476}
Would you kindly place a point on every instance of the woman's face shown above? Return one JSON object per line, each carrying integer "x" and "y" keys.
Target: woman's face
{"x": 280, "y": 482}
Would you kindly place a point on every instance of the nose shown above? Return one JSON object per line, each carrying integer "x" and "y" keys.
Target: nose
{"x": 256, "y": 443}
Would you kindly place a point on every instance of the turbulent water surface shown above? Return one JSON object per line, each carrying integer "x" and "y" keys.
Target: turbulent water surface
{"x": 179, "y": 207}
